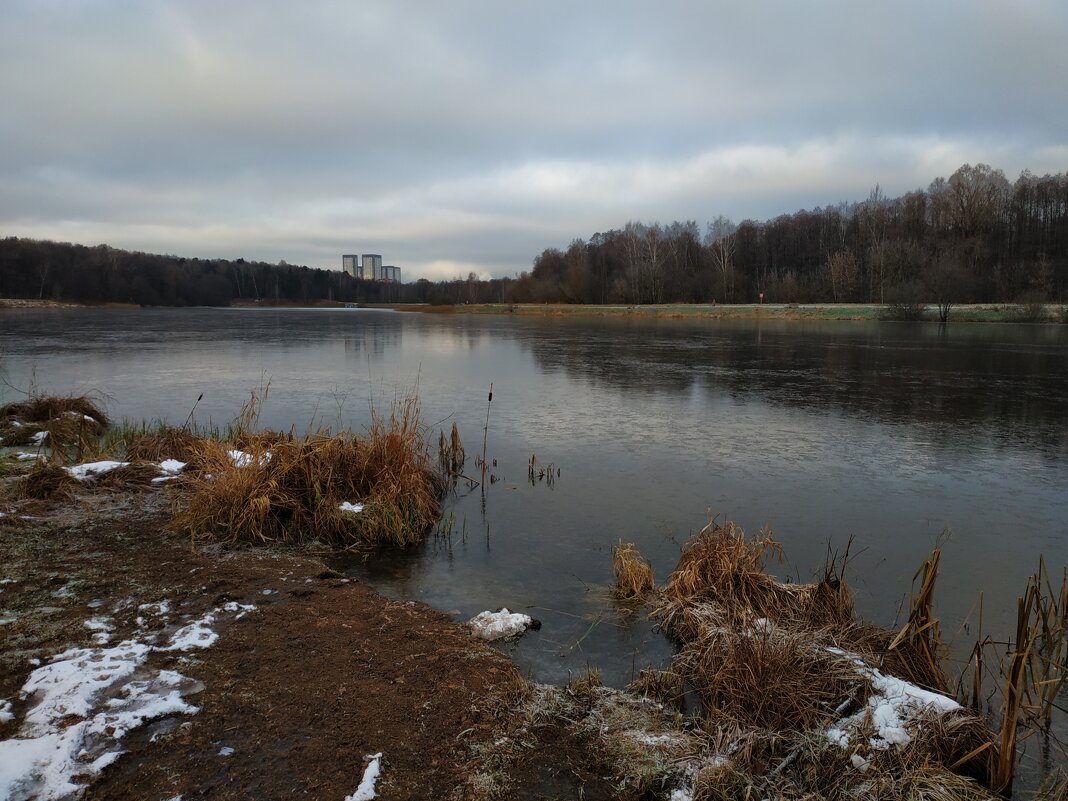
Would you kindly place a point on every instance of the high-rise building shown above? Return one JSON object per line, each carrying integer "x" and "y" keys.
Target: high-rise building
{"x": 372, "y": 266}
{"x": 350, "y": 263}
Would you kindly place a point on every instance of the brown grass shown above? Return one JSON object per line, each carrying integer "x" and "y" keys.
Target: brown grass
{"x": 770, "y": 679}
{"x": 43, "y": 408}
{"x": 46, "y": 481}
{"x": 720, "y": 566}
{"x": 293, "y": 486}
{"x": 166, "y": 442}
{"x": 634, "y": 576}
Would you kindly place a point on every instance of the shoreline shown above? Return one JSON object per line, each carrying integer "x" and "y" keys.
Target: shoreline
{"x": 1052, "y": 313}
{"x": 970, "y": 313}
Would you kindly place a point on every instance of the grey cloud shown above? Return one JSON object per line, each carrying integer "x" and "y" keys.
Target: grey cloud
{"x": 478, "y": 133}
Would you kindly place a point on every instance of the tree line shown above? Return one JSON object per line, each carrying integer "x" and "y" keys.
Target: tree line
{"x": 975, "y": 236}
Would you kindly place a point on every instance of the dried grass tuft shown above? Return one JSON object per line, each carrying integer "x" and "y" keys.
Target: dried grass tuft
{"x": 769, "y": 679}
{"x": 634, "y": 576}
{"x": 664, "y": 686}
{"x": 46, "y": 481}
{"x": 291, "y": 489}
{"x": 723, "y": 781}
{"x": 43, "y": 408}
{"x": 166, "y": 442}
{"x": 720, "y": 567}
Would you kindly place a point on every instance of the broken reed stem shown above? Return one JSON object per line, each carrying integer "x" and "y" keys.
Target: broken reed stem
{"x": 921, "y": 630}
{"x": 485, "y": 435}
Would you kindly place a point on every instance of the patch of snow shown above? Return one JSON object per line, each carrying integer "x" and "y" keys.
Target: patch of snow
{"x": 106, "y": 692}
{"x": 171, "y": 467}
{"x": 102, "y": 628}
{"x": 268, "y": 592}
{"x": 355, "y": 508}
{"x": 96, "y": 603}
{"x": 7, "y": 621}
{"x": 199, "y": 633}
{"x": 100, "y": 686}
{"x": 366, "y": 790}
{"x": 893, "y": 705}
{"x": 242, "y": 459}
{"x": 859, "y": 762}
{"x": 226, "y": 751}
{"x": 681, "y": 794}
{"x": 160, "y": 609}
{"x": 22, "y": 456}
{"x": 162, "y": 479}
{"x": 66, "y": 591}
{"x": 40, "y": 437}
{"x": 82, "y": 472}
{"x": 498, "y": 625}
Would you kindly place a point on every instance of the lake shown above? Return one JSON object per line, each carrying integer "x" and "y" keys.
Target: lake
{"x": 897, "y": 435}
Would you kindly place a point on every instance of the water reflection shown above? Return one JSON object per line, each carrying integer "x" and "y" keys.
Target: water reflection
{"x": 888, "y": 432}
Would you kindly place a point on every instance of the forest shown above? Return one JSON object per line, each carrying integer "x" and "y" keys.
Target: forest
{"x": 974, "y": 237}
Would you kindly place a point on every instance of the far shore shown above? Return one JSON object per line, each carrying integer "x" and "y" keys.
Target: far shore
{"x": 962, "y": 313}
{"x": 970, "y": 313}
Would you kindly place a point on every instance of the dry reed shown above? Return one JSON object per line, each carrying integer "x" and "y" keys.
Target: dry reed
{"x": 634, "y": 576}
{"x": 43, "y": 408}
{"x": 290, "y": 488}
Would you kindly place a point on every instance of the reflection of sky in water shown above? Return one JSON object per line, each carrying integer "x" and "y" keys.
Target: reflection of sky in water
{"x": 887, "y": 432}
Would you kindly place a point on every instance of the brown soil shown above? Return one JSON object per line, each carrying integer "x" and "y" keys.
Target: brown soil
{"x": 323, "y": 674}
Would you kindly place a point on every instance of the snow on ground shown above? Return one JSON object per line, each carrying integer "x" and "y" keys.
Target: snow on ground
{"x": 355, "y": 508}
{"x": 85, "y": 700}
{"x": 25, "y": 457}
{"x": 83, "y": 472}
{"x": 101, "y": 628}
{"x": 894, "y": 706}
{"x": 40, "y": 437}
{"x": 366, "y": 790}
{"x": 171, "y": 469}
{"x": 498, "y": 625}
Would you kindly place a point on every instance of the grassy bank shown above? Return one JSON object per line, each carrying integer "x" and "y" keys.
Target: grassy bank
{"x": 986, "y": 313}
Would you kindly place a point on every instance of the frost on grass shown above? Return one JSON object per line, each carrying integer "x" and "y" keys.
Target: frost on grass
{"x": 498, "y": 625}
{"x": 355, "y": 508}
{"x": 366, "y": 790}
{"x": 83, "y": 702}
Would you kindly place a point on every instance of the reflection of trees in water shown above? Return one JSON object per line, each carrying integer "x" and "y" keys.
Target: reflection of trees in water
{"x": 371, "y": 337}
{"x": 1010, "y": 384}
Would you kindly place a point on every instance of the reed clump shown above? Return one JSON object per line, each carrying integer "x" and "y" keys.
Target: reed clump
{"x": 164, "y": 442}
{"x": 634, "y": 575}
{"x": 722, "y": 572}
{"x": 271, "y": 487}
{"x": 46, "y": 481}
{"x": 790, "y": 665}
{"x": 43, "y": 408}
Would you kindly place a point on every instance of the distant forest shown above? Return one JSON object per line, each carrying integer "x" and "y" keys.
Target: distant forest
{"x": 975, "y": 237}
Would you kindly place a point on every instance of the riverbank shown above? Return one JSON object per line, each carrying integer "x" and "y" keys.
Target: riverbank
{"x": 971, "y": 313}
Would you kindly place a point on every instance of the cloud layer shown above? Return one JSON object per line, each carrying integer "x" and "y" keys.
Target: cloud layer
{"x": 470, "y": 136}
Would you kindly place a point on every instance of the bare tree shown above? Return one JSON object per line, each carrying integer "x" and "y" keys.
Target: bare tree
{"x": 720, "y": 239}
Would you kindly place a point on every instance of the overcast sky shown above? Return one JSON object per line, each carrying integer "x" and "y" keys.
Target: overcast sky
{"x": 463, "y": 136}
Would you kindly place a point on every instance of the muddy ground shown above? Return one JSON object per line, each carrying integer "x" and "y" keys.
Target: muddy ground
{"x": 324, "y": 673}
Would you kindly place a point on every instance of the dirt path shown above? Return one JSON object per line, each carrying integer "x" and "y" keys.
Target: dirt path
{"x": 322, "y": 674}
